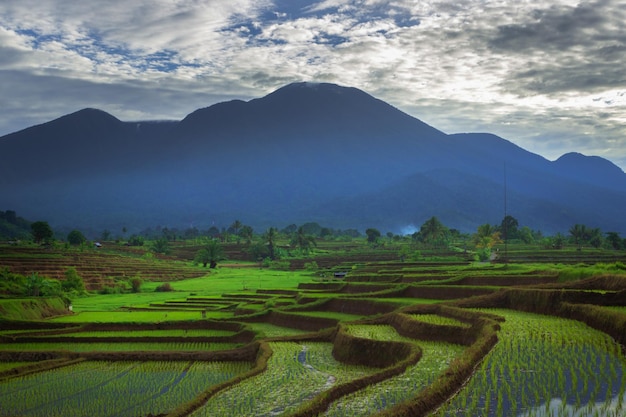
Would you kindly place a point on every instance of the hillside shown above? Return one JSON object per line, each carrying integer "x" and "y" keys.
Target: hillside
{"x": 306, "y": 152}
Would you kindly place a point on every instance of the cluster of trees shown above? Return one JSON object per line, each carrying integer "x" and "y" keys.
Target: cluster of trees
{"x": 432, "y": 233}
{"x": 236, "y": 232}
{"x": 35, "y": 285}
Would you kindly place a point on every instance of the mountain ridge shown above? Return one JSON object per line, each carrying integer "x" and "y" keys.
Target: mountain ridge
{"x": 304, "y": 152}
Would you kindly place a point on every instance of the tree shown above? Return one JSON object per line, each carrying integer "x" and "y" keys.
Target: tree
{"x": 42, "y": 232}
{"x": 73, "y": 281}
{"x": 211, "y": 254}
{"x": 508, "y": 228}
{"x": 161, "y": 246}
{"x": 136, "y": 240}
{"x": 75, "y": 237}
{"x": 595, "y": 237}
{"x": 434, "y": 232}
{"x": 578, "y": 232}
{"x": 483, "y": 231}
{"x": 236, "y": 227}
{"x": 270, "y": 239}
{"x": 527, "y": 235}
{"x": 106, "y": 235}
{"x": 246, "y": 233}
{"x": 372, "y": 235}
{"x": 614, "y": 241}
{"x": 303, "y": 240}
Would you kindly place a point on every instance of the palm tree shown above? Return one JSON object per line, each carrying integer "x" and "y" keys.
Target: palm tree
{"x": 211, "y": 254}
{"x": 578, "y": 233}
{"x": 246, "y": 233}
{"x": 302, "y": 240}
{"x": 235, "y": 228}
{"x": 270, "y": 237}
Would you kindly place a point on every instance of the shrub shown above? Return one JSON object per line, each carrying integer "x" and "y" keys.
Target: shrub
{"x": 165, "y": 287}
{"x": 135, "y": 284}
{"x": 75, "y": 237}
{"x": 311, "y": 266}
{"x": 73, "y": 281}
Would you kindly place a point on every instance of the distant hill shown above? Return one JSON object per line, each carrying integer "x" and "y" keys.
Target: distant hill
{"x": 306, "y": 152}
{"x": 13, "y": 226}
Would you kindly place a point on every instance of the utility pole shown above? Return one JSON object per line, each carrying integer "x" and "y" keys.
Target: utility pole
{"x": 506, "y": 226}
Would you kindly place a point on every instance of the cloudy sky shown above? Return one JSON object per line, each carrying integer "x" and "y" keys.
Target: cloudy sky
{"x": 549, "y": 76}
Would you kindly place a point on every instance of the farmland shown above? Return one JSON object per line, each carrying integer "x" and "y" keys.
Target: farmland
{"x": 541, "y": 335}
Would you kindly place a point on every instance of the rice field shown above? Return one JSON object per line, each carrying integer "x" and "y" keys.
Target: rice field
{"x": 119, "y": 347}
{"x": 545, "y": 367}
{"x": 436, "y": 357}
{"x": 542, "y": 366}
{"x": 120, "y": 389}
{"x": 296, "y": 373}
{"x": 150, "y": 333}
{"x": 438, "y": 320}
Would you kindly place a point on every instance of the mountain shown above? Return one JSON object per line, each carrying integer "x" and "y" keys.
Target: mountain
{"x": 306, "y": 152}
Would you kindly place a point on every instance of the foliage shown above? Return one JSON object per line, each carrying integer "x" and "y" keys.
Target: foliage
{"x": 39, "y": 286}
{"x": 614, "y": 241}
{"x": 165, "y": 287}
{"x": 372, "y": 235}
{"x": 311, "y": 266}
{"x": 276, "y": 264}
{"x": 13, "y": 227}
{"x": 509, "y": 228}
{"x": 73, "y": 282}
{"x": 581, "y": 235}
{"x": 76, "y": 238}
{"x": 136, "y": 283}
{"x": 161, "y": 246}
{"x": 270, "y": 238}
{"x": 246, "y": 233}
{"x": 302, "y": 240}
{"x": 433, "y": 233}
{"x": 42, "y": 232}
{"x": 11, "y": 283}
{"x": 136, "y": 240}
{"x": 211, "y": 254}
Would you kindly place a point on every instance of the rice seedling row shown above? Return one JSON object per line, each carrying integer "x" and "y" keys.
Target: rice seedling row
{"x": 119, "y": 347}
{"x": 436, "y": 357}
{"x": 113, "y": 388}
{"x": 543, "y": 367}
{"x": 287, "y": 383}
{"x": 137, "y": 316}
{"x": 438, "y": 320}
{"x": 271, "y": 330}
{"x": 151, "y": 333}
{"x": 10, "y": 365}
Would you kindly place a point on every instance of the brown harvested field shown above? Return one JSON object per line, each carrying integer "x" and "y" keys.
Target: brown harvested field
{"x": 97, "y": 267}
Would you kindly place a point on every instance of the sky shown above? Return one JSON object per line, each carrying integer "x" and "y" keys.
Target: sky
{"x": 548, "y": 76}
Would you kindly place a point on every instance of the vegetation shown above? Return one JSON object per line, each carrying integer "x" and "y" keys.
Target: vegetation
{"x": 310, "y": 321}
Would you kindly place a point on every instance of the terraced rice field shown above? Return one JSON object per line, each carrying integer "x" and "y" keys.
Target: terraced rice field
{"x": 99, "y": 388}
{"x": 454, "y": 336}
